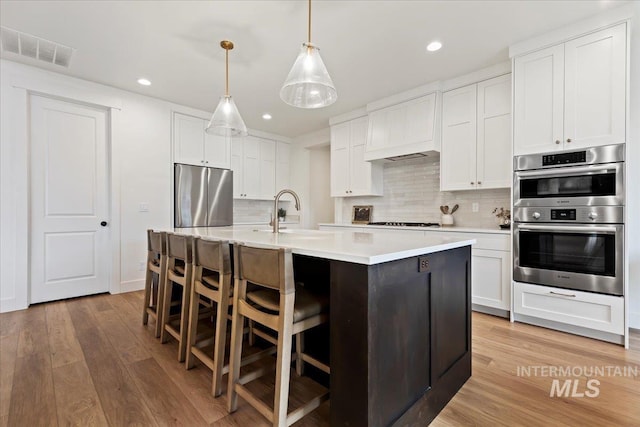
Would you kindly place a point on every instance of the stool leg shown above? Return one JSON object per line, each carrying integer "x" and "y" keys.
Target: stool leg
{"x": 220, "y": 338}
{"x": 252, "y": 337}
{"x": 184, "y": 317}
{"x": 166, "y": 305}
{"x": 192, "y": 328}
{"x": 283, "y": 363}
{"x": 237, "y": 329}
{"x": 160, "y": 303}
{"x": 299, "y": 351}
{"x": 147, "y": 295}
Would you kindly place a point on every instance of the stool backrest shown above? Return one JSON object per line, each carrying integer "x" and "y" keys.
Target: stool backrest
{"x": 213, "y": 255}
{"x": 156, "y": 242}
{"x": 270, "y": 268}
{"x": 179, "y": 247}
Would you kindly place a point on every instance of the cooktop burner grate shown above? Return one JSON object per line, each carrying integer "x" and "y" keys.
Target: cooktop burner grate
{"x": 406, "y": 224}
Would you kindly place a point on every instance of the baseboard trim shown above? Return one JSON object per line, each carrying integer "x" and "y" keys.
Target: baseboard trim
{"x": 131, "y": 285}
{"x": 11, "y": 304}
{"x": 490, "y": 310}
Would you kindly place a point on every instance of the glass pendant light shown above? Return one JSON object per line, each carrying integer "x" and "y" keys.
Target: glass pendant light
{"x": 308, "y": 84}
{"x": 226, "y": 119}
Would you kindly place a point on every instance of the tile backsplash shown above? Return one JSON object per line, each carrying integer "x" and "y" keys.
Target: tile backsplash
{"x": 412, "y": 194}
{"x": 254, "y": 210}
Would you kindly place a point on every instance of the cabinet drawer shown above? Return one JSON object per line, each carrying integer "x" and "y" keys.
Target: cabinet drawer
{"x": 494, "y": 242}
{"x": 594, "y": 311}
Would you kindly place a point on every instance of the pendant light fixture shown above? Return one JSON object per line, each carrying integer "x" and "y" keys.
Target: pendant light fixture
{"x": 226, "y": 120}
{"x": 308, "y": 84}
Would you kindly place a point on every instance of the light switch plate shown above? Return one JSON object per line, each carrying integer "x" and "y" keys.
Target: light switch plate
{"x": 475, "y": 207}
{"x": 144, "y": 207}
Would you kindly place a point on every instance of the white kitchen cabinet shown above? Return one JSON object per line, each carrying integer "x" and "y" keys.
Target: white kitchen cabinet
{"x": 476, "y": 136}
{"x": 599, "y": 312}
{"x": 254, "y": 168}
{"x": 193, "y": 146}
{"x": 572, "y": 95}
{"x": 283, "y": 165}
{"x": 351, "y": 175}
{"x": 406, "y": 128}
{"x": 491, "y": 279}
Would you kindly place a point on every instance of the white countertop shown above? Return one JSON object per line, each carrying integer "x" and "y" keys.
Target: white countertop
{"x": 349, "y": 246}
{"x": 457, "y": 229}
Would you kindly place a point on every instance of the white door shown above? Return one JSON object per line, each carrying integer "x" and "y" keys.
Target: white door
{"x": 283, "y": 165}
{"x": 490, "y": 278}
{"x": 267, "y": 169}
{"x": 69, "y": 247}
{"x": 251, "y": 167}
{"x": 340, "y": 137}
{"x": 595, "y": 89}
{"x": 359, "y": 169}
{"x": 538, "y": 101}
{"x": 188, "y": 139}
{"x": 237, "y": 167}
{"x": 217, "y": 150}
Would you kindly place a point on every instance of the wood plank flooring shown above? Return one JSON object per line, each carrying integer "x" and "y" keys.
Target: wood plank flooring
{"x": 90, "y": 362}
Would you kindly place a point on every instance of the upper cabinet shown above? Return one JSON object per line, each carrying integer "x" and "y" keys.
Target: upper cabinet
{"x": 402, "y": 129}
{"x": 193, "y": 146}
{"x": 260, "y": 166}
{"x": 572, "y": 95}
{"x": 351, "y": 175}
{"x": 476, "y": 136}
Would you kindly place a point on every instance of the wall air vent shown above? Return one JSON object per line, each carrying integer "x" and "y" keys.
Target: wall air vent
{"x": 24, "y": 44}
{"x": 407, "y": 157}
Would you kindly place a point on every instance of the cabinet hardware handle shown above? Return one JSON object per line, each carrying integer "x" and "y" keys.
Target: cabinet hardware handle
{"x": 568, "y": 139}
{"x": 471, "y": 182}
{"x": 557, "y": 141}
{"x": 562, "y": 295}
{"x": 479, "y": 182}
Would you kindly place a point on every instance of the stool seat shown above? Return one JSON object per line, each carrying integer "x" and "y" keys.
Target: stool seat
{"x": 307, "y": 304}
{"x": 212, "y": 280}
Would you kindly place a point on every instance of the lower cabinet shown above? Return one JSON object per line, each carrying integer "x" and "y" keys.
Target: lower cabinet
{"x": 599, "y": 312}
{"x": 491, "y": 276}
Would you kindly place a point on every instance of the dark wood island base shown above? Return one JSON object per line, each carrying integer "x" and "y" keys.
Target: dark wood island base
{"x": 403, "y": 347}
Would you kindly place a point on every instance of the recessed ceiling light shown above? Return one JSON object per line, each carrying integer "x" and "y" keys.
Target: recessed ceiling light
{"x": 144, "y": 82}
{"x": 433, "y": 46}
{"x": 266, "y": 116}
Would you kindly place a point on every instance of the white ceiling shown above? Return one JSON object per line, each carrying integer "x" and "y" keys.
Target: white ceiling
{"x": 372, "y": 49}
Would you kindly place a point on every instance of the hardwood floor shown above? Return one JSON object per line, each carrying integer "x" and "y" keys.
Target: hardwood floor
{"x": 90, "y": 361}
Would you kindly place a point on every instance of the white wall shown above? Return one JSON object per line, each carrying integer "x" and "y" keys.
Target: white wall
{"x": 633, "y": 175}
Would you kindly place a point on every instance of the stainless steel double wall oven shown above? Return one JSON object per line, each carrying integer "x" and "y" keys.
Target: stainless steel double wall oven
{"x": 569, "y": 219}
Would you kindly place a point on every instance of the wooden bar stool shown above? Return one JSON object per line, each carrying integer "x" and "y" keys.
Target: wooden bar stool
{"x": 156, "y": 263}
{"x": 211, "y": 280}
{"x": 280, "y": 306}
{"x": 179, "y": 271}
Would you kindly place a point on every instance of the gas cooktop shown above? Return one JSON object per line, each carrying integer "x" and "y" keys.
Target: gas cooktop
{"x": 406, "y": 224}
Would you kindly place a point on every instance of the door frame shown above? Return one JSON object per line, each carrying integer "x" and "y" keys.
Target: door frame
{"x": 112, "y": 183}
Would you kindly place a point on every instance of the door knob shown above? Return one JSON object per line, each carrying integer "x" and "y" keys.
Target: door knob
{"x": 103, "y": 223}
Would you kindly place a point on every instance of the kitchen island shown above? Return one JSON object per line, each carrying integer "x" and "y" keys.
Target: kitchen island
{"x": 400, "y": 322}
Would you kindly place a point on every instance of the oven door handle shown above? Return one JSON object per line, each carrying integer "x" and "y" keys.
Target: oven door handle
{"x": 567, "y": 171}
{"x": 568, "y": 229}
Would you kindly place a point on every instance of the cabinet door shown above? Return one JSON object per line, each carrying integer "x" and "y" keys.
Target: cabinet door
{"x": 251, "y": 167}
{"x": 267, "y": 169}
{"x": 340, "y": 137}
{"x": 420, "y": 118}
{"x": 359, "y": 169}
{"x": 595, "y": 88}
{"x": 490, "y": 285}
{"x": 217, "y": 151}
{"x": 237, "y": 168}
{"x": 493, "y": 149}
{"x": 538, "y": 108}
{"x": 283, "y": 165}
{"x": 188, "y": 139}
{"x": 396, "y": 119}
{"x": 458, "y": 155}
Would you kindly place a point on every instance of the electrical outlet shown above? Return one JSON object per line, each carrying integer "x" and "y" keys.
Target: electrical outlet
{"x": 144, "y": 207}
{"x": 141, "y": 266}
{"x": 475, "y": 207}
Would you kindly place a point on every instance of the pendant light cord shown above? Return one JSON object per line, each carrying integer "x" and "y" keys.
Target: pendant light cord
{"x": 226, "y": 89}
{"x": 309, "y": 26}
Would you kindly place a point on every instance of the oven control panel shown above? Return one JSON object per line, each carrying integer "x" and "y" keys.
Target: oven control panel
{"x": 563, "y": 214}
{"x": 564, "y": 158}
{"x": 577, "y": 215}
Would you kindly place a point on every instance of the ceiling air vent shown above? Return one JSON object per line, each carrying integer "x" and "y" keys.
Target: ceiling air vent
{"x": 24, "y": 44}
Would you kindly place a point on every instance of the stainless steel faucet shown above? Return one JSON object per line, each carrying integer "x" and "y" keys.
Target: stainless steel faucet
{"x": 276, "y": 220}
